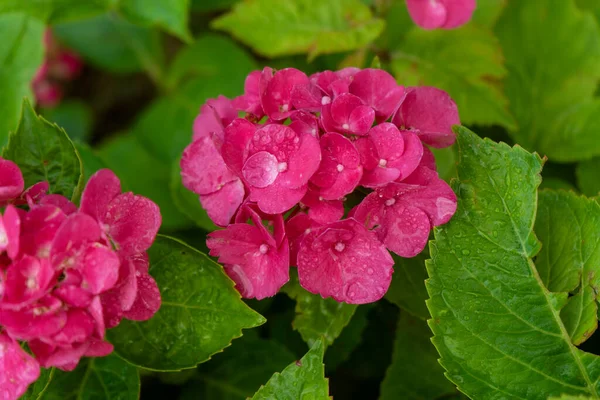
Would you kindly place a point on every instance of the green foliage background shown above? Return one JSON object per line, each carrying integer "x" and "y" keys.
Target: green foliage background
{"x": 512, "y": 282}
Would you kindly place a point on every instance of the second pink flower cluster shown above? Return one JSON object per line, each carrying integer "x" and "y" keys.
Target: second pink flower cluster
{"x": 278, "y": 179}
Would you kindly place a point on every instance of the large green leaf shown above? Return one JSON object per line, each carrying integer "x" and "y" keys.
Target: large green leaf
{"x": 125, "y": 47}
{"x": 407, "y": 289}
{"x": 200, "y": 314}
{"x": 415, "y": 373}
{"x": 44, "y": 152}
{"x": 303, "y": 379}
{"x": 497, "y": 327}
{"x": 108, "y": 378}
{"x": 552, "y": 53}
{"x": 587, "y": 176}
{"x": 21, "y": 54}
{"x": 567, "y": 225}
{"x": 317, "y": 317}
{"x": 238, "y": 372}
{"x": 275, "y": 28}
{"x": 467, "y": 63}
{"x": 171, "y": 15}
{"x": 143, "y": 174}
{"x": 53, "y": 11}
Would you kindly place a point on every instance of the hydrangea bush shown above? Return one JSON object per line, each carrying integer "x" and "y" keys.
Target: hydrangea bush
{"x": 349, "y": 199}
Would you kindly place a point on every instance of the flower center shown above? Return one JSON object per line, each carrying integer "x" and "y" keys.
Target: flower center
{"x": 263, "y": 248}
{"x": 339, "y": 246}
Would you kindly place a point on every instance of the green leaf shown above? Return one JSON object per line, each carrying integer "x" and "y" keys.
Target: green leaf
{"x": 472, "y": 79}
{"x": 567, "y": 225}
{"x": 587, "y": 176}
{"x": 107, "y": 378}
{"x": 126, "y": 48}
{"x": 212, "y": 5}
{"x": 348, "y": 340}
{"x": 36, "y": 390}
{"x": 304, "y": 379}
{"x": 89, "y": 158}
{"x": 552, "y": 77}
{"x": 240, "y": 371}
{"x": 171, "y": 15}
{"x": 201, "y": 312}
{"x": 556, "y": 183}
{"x": 274, "y": 28}
{"x": 213, "y": 57}
{"x": 73, "y": 116}
{"x": 415, "y": 373}
{"x": 497, "y": 327}
{"x": 54, "y": 11}
{"x": 44, "y": 152}
{"x": 21, "y": 54}
{"x": 590, "y": 6}
{"x": 407, "y": 289}
{"x": 568, "y": 397}
{"x": 487, "y": 12}
{"x": 188, "y": 202}
{"x": 316, "y": 317}
{"x": 143, "y": 174}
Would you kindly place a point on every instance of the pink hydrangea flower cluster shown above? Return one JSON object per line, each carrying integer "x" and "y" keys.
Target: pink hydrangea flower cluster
{"x": 445, "y": 14}
{"x": 59, "y": 67}
{"x": 67, "y": 273}
{"x": 278, "y": 178}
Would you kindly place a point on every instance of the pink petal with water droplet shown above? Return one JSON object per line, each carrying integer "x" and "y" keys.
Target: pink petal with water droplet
{"x": 64, "y": 357}
{"x": 120, "y": 298}
{"x": 250, "y": 100}
{"x": 43, "y": 318}
{"x": 302, "y": 163}
{"x": 147, "y": 302}
{"x": 276, "y": 91}
{"x": 98, "y": 348}
{"x": 40, "y": 228}
{"x": 260, "y": 169}
{"x": 214, "y": 116}
{"x": 78, "y": 329}
{"x": 100, "y": 190}
{"x": 133, "y": 222}
{"x": 73, "y": 295}
{"x": 405, "y": 230}
{"x": 203, "y": 170}
{"x": 379, "y": 90}
{"x": 304, "y": 123}
{"x": 321, "y": 210}
{"x": 78, "y": 229}
{"x": 222, "y": 205}
{"x": 237, "y": 136}
{"x": 340, "y": 170}
{"x": 100, "y": 269}
{"x": 276, "y": 199}
{"x": 344, "y": 261}
{"x": 27, "y": 280}
{"x": 18, "y": 368}
{"x": 428, "y": 14}
{"x": 296, "y": 228}
{"x": 432, "y": 113}
{"x": 10, "y": 230}
{"x": 11, "y": 180}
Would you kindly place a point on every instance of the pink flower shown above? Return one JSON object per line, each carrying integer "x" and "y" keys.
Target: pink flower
{"x": 347, "y": 114}
{"x": 11, "y": 181}
{"x": 130, "y": 222}
{"x": 285, "y": 90}
{"x": 344, "y": 261}
{"x": 379, "y": 90}
{"x": 388, "y": 154}
{"x": 402, "y": 213}
{"x": 250, "y": 100}
{"x": 431, "y": 113}
{"x": 446, "y": 14}
{"x": 275, "y": 161}
{"x": 321, "y": 210}
{"x": 18, "y": 368}
{"x": 256, "y": 259}
{"x": 298, "y": 154}
{"x": 340, "y": 169}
